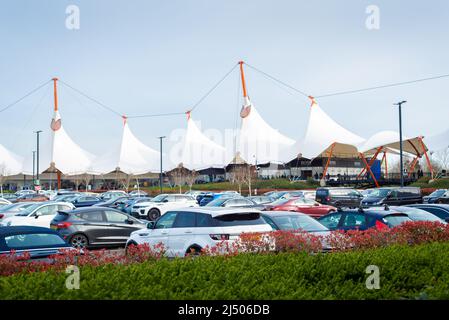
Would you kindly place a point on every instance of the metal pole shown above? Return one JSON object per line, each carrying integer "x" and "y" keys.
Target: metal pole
{"x": 34, "y": 163}
{"x": 37, "y": 156}
{"x": 160, "y": 174}
{"x": 399, "y": 104}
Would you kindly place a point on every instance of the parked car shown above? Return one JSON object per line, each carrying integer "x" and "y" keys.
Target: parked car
{"x": 339, "y": 197}
{"x": 67, "y": 197}
{"x": 196, "y": 194}
{"x": 439, "y": 210}
{"x": 138, "y": 193}
{"x": 38, "y": 215}
{"x": 394, "y": 196}
{"x": 162, "y": 203}
{"x": 33, "y": 197}
{"x": 9, "y": 196}
{"x": 205, "y": 199}
{"x": 444, "y": 198}
{"x": 39, "y": 242}
{"x": 13, "y": 208}
{"x": 234, "y": 202}
{"x": 418, "y": 214}
{"x": 112, "y": 194}
{"x": 284, "y": 220}
{"x": 80, "y": 201}
{"x": 366, "y": 192}
{"x": 309, "y": 207}
{"x": 363, "y": 219}
{"x": 95, "y": 227}
{"x": 260, "y": 199}
{"x": 128, "y": 204}
{"x": 435, "y": 196}
{"x": 24, "y": 192}
{"x": 112, "y": 203}
{"x": 4, "y": 202}
{"x": 192, "y": 229}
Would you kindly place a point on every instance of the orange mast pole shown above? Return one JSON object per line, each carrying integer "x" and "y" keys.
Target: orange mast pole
{"x": 386, "y": 164}
{"x": 369, "y": 169}
{"x": 242, "y": 74}
{"x": 427, "y": 157}
{"x": 55, "y": 94}
{"x": 55, "y": 91}
{"x": 328, "y": 160}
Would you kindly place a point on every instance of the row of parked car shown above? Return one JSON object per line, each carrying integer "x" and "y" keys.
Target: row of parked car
{"x": 185, "y": 222}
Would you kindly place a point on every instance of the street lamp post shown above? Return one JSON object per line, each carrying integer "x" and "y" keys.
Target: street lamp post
{"x": 160, "y": 174}
{"x": 399, "y": 104}
{"x": 37, "y": 156}
{"x": 34, "y": 164}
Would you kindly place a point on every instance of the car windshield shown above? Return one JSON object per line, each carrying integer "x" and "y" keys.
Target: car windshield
{"x": 25, "y": 212}
{"x": 379, "y": 193}
{"x": 217, "y": 202}
{"x": 437, "y": 193}
{"x": 159, "y": 198}
{"x": 279, "y": 202}
{"x": 296, "y": 222}
{"x": 395, "y": 220}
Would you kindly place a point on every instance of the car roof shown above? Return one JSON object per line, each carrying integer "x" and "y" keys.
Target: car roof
{"x": 436, "y": 205}
{"x": 219, "y": 211}
{"x": 381, "y": 211}
{"x": 4, "y": 231}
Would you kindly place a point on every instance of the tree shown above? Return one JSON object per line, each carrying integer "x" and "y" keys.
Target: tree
{"x": 3, "y": 174}
{"x": 191, "y": 178}
{"x": 242, "y": 174}
{"x": 178, "y": 176}
{"x": 86, "y": 179}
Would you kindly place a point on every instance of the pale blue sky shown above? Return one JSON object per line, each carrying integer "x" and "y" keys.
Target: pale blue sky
{"x": 161, "y": 56}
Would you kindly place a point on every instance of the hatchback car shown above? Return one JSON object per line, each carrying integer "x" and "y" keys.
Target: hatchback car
{"x": 284, "y": 220}
{"x": 38, "y": 215}
{"x": 192, "y": 229}
{"x": 439, "y": 210}
{"x": 307, "y": 206}
{"x": 162, "y": 203}
{"x": 363, "y": 219}
{"x": 339, "y": 197}
{"x": 38, "y": 242}
{"x": 95, "y": 227}
{"x": 435, "y": 196}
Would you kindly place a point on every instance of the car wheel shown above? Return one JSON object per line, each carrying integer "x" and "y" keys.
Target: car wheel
{"x": 193, "y": 251}
{"x": 154, "y": 214}
{"x": 131, "y": 243}
{"x": 79, "y": 241}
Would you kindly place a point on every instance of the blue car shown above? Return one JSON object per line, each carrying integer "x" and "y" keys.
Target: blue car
{"x": 205, "y": 199}
{"x": 361, "y": 219}
{"x": 81, "y": 201}
{"x": 39, "y": 242}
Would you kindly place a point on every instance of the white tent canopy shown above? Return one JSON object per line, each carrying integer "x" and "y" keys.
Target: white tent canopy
{"x": 60, "y": 152}
{"x": 321, "y": 133}
{"x": 130, "y": 156}
{"x": 10, "y": 163}
{"x": 197, "y": 151}
{"x": 390, "y": 140}
{"x": 257, "y": 140}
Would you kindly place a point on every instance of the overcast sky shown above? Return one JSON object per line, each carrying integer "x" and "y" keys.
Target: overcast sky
{"x": 142, "y": 57}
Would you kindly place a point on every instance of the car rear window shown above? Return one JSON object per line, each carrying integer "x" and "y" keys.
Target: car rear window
{"x": 240, "y": 219}
{"x": 26, "y": 241}
{"x": 395, "y": 220}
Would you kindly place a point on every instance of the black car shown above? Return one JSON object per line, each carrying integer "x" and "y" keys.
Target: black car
{"x": 438, "y": 196}
{"x": 112, "y": 203}
{"x": 39, "y": 242}
{"x": 363, "y": 219}
{"x": 394, "y": 196}
{"x": 339, "y": 197}
{"x": 95, "y": 227}
{"x": 439, "y": 210}
{"x": 84, "y": 201}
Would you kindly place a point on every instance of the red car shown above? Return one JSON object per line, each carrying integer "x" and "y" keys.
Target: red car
{"x": 307, "y": 206}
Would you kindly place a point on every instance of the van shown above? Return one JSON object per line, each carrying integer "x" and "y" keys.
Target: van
{"x": 395, "y": 196}
{"x": 339, "y": 197}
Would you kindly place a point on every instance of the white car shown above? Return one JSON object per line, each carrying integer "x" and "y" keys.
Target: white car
{"x": 162, "y": 203}
{"x": 193, "y": 229}
{"x": 37, "y": 215}
{"x": 4, "y": 202}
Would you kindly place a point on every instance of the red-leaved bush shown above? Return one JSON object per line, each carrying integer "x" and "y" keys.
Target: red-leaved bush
{"x": 409, "y": 233}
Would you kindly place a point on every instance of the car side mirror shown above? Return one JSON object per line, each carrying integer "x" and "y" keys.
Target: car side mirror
{"x": 37, "y": 215}
{"x": 129, "y": 221}
{"x": 151, "y": 225}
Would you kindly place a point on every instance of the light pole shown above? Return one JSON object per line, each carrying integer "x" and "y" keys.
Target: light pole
{"x": 399, "y": 104}
{"x": 37, "y": 156}
{"x": 34, "y": 164}
{"x": 160, "y": 174}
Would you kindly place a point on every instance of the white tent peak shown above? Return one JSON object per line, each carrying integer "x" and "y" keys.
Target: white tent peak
{"x": 130, "y": 156}
{"x": 196, "y": 151}
{"x": 257, "y": 140}
{"x": 10, "y": 163}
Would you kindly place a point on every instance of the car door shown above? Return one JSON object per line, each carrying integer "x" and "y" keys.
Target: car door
{"x": 93, "y": 224}
{"x": 44, "y": 215}
{"x": 182, "y": 233}
{"x": 120, "y": 226}
{"x": 161, "y": 231}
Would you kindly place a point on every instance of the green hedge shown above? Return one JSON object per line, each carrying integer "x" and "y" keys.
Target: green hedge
{"x": 419, "y": 272}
